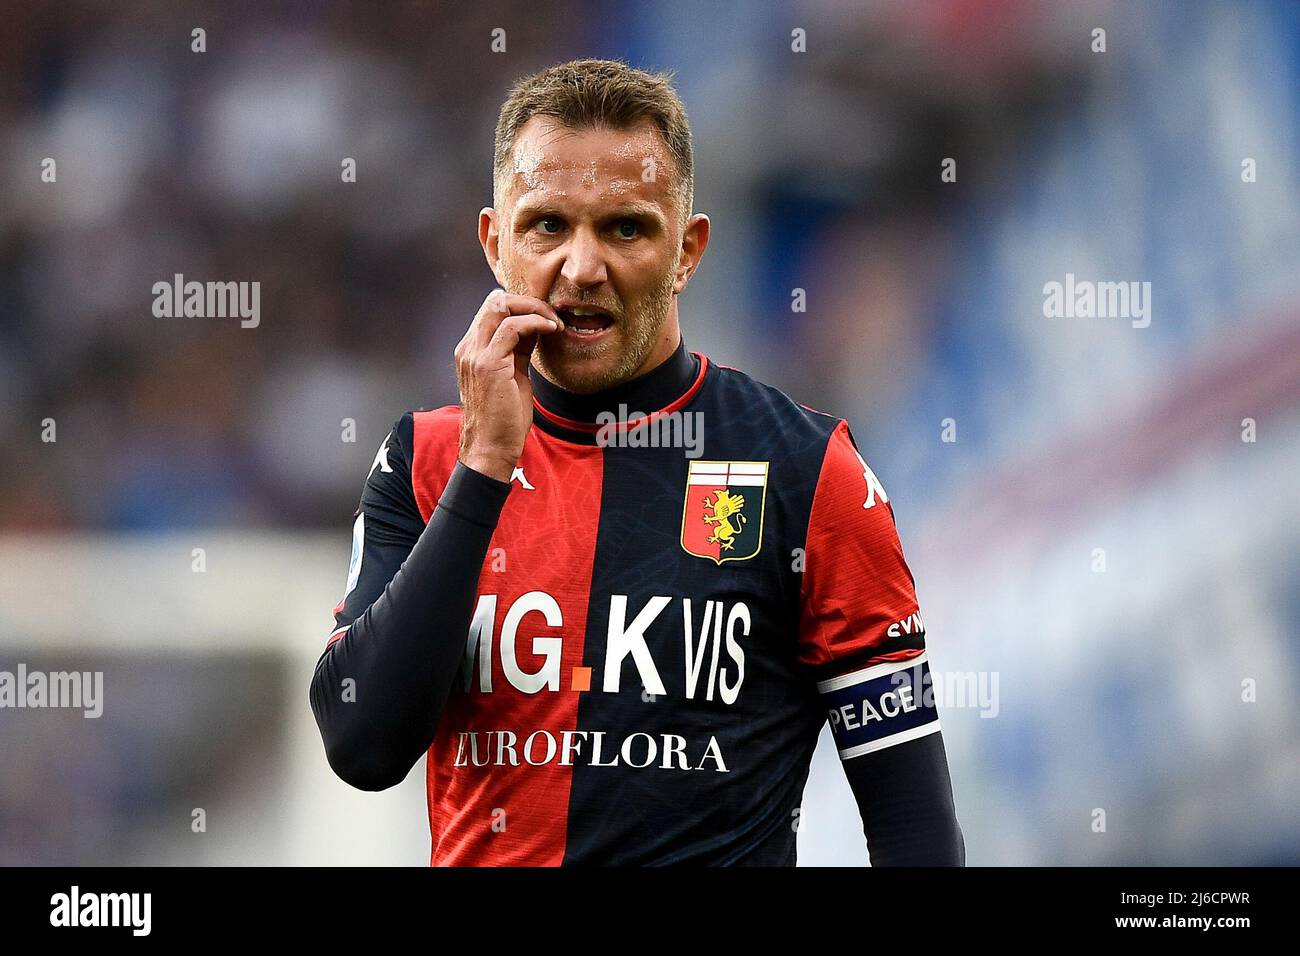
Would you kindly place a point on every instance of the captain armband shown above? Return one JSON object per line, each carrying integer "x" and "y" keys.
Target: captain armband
{"x": 880, "y": 706}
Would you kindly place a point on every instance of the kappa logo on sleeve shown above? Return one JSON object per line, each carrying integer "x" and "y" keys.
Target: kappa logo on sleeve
{"x": 874, "y": 488}
{"x": 722, "y": 516}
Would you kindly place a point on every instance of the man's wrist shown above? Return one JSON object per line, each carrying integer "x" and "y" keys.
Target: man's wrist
{"x": 474, "y": 496}
{"x": 499, "y": 467}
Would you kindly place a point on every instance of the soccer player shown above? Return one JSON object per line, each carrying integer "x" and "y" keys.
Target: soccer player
{"x": 615, "y": 594}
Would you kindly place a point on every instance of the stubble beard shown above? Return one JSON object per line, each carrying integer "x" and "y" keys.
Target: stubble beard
{"x": 580, "y": 367}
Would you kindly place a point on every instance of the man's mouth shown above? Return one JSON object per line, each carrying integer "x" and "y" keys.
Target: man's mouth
{"x": 584, "y": 320}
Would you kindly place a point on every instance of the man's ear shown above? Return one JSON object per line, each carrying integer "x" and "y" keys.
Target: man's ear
{"x": 695, "y": 238}
{"x": 490, "y": 239}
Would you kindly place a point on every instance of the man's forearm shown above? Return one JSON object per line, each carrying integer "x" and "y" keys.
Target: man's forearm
{"x": 904, "y": 794}
{"x": 403, "y": 652}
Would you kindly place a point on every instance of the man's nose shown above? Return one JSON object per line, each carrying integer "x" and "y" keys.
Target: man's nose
{"x": 584, "y": 260}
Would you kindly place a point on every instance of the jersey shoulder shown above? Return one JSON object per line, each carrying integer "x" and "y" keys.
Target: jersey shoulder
{"x": 434, "y": 425}
{"x": 774, "y": 423}
{"x": 435, "y": 444}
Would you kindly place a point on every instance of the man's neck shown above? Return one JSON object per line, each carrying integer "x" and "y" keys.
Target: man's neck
{"x": 647, "y": 392}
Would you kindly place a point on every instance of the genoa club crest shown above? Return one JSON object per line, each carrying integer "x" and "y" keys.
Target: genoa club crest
{"x": 722, "y": 517}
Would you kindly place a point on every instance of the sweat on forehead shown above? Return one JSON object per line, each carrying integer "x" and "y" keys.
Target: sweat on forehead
{"x": 548, "y": 155}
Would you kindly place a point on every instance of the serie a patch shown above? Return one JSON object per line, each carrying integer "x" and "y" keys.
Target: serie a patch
{"x": 880, "y": 706}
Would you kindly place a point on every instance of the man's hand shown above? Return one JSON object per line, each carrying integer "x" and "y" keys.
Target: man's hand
{"x": 492, "y": 372}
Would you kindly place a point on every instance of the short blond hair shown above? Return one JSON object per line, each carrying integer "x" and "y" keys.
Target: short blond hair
{"x": 598, "y": 94}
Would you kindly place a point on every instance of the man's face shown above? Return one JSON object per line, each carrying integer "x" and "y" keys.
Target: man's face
{"x": 582, "y": 225}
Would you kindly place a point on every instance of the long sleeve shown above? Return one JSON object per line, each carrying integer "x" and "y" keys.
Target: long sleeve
{"x": 904, "y": 796}
{"x": 380, "y": 687}
{"x": 863, "y": 641}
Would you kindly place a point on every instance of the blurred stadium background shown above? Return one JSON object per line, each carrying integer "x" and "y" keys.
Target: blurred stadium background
{"x": 1119, "y": 690}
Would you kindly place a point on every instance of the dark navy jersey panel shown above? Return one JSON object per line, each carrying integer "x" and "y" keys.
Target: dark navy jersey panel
{"x": 719, "y": 700}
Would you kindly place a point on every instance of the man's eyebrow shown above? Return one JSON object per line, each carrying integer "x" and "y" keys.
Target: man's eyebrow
{"x": 637, "y": 208}
{"x": 648, "y": 210}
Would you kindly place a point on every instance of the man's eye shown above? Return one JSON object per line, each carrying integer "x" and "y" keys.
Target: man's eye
{"x": 628, "y": 228}
{"x": 555, "y": 220}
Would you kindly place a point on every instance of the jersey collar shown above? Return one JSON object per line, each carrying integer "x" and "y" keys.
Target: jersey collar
{"x": 664, "y": 389}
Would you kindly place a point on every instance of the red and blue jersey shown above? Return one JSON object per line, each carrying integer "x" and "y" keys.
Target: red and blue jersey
{"x": 686, "y": 578}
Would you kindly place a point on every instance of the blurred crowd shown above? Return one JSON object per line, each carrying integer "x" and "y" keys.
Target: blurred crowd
{"x": 226, "y": 165}
{"x": 820, "y": 171}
